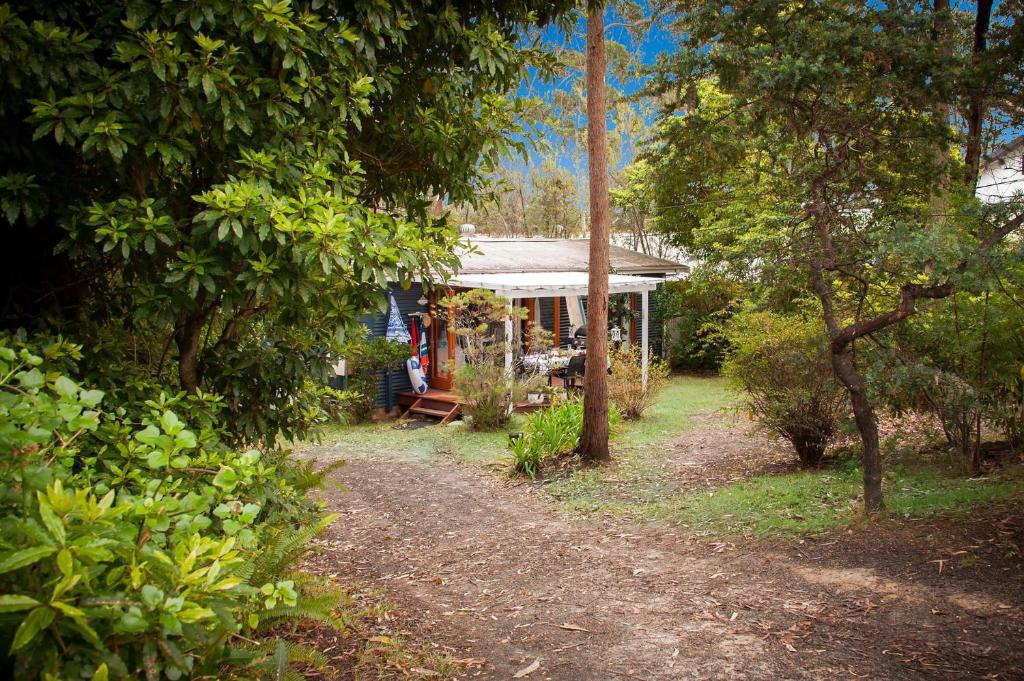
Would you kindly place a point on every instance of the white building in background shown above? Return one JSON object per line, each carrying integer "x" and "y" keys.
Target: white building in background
{"x": 1002, "y": 173}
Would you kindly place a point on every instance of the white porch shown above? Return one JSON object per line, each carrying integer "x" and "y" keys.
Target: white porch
{"x": 519, "y": 285}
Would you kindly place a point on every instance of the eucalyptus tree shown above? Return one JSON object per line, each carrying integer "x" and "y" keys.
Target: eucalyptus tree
{"x": 593, "y": 444}
{"x": 818, "y": 146}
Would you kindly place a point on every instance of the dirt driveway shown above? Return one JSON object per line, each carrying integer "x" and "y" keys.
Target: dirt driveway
{"x": 496, "y": 574}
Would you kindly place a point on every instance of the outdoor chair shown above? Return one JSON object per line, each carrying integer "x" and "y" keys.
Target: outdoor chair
{"x": 572, "y": 378}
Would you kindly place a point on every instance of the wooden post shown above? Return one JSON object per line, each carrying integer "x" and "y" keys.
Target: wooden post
{"x": 508, "y": 338}
{"x": 644, "y": 336}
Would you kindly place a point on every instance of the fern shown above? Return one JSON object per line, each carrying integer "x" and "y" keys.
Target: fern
{"x": 276, "y": 658}
{"x": 282, "y": 551}
{"x": 304, "y": 477}
{"x": 318, "y": 607}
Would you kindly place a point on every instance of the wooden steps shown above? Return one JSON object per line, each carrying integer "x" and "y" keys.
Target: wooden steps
{"x": 439, "y": 404}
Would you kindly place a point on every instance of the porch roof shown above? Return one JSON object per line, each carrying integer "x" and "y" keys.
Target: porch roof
{"x": 551, "y": 284}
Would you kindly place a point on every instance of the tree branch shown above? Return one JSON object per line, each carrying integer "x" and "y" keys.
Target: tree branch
{"x": 911, "y": 293}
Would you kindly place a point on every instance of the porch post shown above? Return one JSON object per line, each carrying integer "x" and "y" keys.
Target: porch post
{"x": 644, "y": 351}
{"x": 508, "y": 338}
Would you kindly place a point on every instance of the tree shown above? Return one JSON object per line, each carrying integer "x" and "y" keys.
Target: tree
{"x": 228, "y": 186}
{"x": 839, "y": 140}
{"x": 594, "y": 439}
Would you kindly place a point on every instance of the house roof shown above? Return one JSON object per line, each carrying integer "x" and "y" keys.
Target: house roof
{"x": 551, "y": 284}
{"x": 493, "y": 256}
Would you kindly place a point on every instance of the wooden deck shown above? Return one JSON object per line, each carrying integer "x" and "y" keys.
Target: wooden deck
{"x": 444, "y": 405}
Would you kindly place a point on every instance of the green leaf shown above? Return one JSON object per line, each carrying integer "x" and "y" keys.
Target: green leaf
{"x": 65, "y": 386}
{"x": 170, "y": 423}
{"x": 20, "y": 559}
{"x": 31, "y": 379}
{"x": 50, "y": 519}
{"x": 158, "y": 458}
{"x": 226, "y": 478}
{"x": 150, "y": 435}
{"x": 15, "y": 602}
{"x": 37, "y": 620}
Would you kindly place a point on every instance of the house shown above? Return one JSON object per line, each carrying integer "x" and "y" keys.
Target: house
{"x": 1002, "y": 173}
{"x": 548, "y": 277}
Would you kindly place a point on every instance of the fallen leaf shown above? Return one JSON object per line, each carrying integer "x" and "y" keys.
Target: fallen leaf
{"x": 470, "y": 662}
{"x": 527, "y": 670}
{"x": 572, "y": 627}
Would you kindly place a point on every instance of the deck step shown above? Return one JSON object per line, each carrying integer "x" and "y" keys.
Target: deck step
{"x": 427, "y": 411}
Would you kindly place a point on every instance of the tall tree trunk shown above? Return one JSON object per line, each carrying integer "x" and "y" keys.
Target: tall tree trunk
{"x": 976, "y": 95}
{"x": 594, "y": 439}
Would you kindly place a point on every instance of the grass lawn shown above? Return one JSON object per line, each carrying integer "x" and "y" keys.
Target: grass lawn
{"x": 684, "y": 397}
{"x": 638, "y": 485}
{"x": 815, "y": 501}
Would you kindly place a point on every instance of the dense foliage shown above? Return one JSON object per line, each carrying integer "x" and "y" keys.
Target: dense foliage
{"x": 206, "y": 197}
{"x": 833, "y": 148}
{"x": 230, "y": 184}
{"x": 365, "y": 359}
{"x": 695, "y": 310}
{"x": 135, "y": 541}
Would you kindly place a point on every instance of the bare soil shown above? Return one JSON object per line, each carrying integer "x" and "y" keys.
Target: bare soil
{"x": 492, "y": 572}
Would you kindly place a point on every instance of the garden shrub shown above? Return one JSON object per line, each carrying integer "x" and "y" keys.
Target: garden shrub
{"x": 626, "y": 388}
{"x": 489, "y": 392}
{"x": 134, "y": 542}
{"x": 550, "y": 432}
{"x": 696, "y": 309}
{"x": 782, "y": 367}
{"x": 365, "y": 359}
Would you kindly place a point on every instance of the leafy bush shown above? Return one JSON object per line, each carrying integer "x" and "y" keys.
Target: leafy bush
{"x": 696, "y": 309}
{"x": 489, "y": 391}
{"x": 626, "y": 385}
{"x": 782, "y": 366}
{"x": 960, "y": 358}
{"x": 136, "y": 543}
{"x": 550, "y": 432}
{"x": 365, "y": 359}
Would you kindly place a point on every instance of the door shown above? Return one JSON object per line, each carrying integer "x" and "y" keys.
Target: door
{"x": 442, "y": 345}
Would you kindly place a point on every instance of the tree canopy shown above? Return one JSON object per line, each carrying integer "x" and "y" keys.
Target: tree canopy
{"x": 825, "y": 149}
{"x": 227, "y": 186}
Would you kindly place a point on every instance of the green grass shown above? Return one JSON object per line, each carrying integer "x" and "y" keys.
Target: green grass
{"x": 815, "y": 501}
{"x": 369, "y": 440}
{"x": 637, "y": 478}
{"x": 684, "y": 397}
{"x": 639, "y": 486}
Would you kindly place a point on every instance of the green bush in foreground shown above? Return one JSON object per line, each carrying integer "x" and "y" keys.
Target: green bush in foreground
{"x": 135, "y": 543}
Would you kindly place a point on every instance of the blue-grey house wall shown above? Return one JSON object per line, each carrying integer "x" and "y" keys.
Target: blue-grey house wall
{"x": 393, "y": 381}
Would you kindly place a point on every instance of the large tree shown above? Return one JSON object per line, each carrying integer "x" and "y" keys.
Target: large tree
{"x": 209, "y": 193}
{"x": 822, "y": 145}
